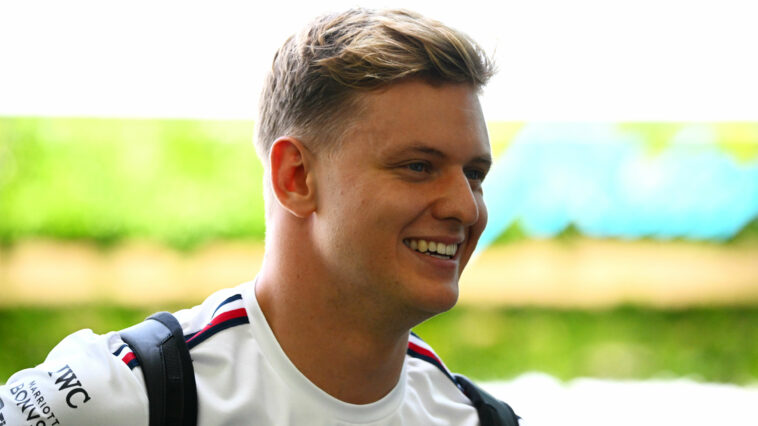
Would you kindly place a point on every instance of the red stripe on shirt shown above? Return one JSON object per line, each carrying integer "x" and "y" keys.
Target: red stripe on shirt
{"x": 226, "y": 316}
{"x": 423, "y": 351}
{"x": 128, "y": 358}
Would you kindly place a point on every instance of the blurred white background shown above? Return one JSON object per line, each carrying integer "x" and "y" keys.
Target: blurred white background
{"x": 620, "y": 60}
{"x": 542, "y": 400}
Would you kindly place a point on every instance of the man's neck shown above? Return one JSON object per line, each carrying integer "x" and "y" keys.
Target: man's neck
{"x": 342, "y": 353}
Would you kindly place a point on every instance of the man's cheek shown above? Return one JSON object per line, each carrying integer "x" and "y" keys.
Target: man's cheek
{"x": 478, "y": 228}
{"x": 483, "y": 214}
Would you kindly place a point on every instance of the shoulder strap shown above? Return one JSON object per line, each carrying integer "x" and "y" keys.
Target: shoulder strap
{"x": 492, "y": 411}
{"x": 158, "y": 343}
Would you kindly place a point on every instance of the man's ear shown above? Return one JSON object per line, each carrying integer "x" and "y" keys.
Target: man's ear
{"x": 292, "y": 176}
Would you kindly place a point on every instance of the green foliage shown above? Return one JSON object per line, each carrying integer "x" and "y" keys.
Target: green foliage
{"x": 740, "y": 139}
{"x": 183, "y": 182}
{"x": 28, "y": 334}
{"x": 656, "y": 136}
{"x": 748, "y": 235}
{"x": 179, "y": 182}
{"x": 710, "y": 344}
{"x": 737, "y": 139}
{"x": 513, "y": 233}
{"x": 569, "y": 234}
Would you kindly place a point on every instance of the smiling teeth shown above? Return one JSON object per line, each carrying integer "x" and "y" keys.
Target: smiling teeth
{"x": 434, "y": 248}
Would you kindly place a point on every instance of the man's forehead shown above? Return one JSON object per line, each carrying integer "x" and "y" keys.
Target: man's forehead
{"x": 408, "y": 101}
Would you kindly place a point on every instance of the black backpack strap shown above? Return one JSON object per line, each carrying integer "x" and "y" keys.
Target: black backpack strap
{"x": 158, "y": 343}
{"x": 492, "y": 411}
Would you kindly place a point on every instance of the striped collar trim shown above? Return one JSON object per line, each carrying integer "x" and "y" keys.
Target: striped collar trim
{"x": 227, "y": 314}
{"x": 231, "y": 312}
{"x": 419, "y": 349}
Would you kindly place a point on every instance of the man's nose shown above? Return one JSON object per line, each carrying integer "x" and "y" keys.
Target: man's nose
{"x": 456, "y": 200}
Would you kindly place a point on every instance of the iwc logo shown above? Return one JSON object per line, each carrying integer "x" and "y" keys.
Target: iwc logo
{"x": 70, "y": 383}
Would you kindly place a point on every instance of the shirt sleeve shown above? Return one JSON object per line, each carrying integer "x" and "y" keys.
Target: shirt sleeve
{"x": 81, "y": 382}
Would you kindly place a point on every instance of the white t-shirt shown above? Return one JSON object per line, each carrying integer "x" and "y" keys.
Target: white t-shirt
{"x": 243, "y": 377}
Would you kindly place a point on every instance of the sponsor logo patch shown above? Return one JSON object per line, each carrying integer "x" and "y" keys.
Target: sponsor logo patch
{"x": 76, "y": 394}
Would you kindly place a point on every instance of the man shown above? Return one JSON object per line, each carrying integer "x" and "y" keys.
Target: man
{"x": 375, "y": 149}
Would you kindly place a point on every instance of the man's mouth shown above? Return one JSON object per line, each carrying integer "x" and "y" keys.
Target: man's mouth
{"x": 432, "y": 248}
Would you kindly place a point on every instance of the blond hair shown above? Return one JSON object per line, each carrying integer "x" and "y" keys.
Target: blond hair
{"x": 311, "y": 89}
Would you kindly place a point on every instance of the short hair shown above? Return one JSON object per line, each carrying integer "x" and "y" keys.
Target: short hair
{"x": 310, "y": 91}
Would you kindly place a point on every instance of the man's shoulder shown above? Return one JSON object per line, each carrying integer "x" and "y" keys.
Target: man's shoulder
{"x": 427, "y": 360}
{"x": 222, "y": 311}
{"x": 76, "y": 384}
{"x": 96, "y": 379}
{"x": 427, "y": 373}
{"x": 430, "y": 379}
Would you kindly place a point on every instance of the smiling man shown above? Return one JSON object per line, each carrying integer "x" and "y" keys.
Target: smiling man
{"x": 370, "y": 240}
{"x": 375, "y": 149}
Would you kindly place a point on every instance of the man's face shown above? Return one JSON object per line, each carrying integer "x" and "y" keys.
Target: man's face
{"x": 406, "y": 182}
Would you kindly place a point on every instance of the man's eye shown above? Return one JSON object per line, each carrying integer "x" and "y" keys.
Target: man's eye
{"x": 475, "y": 174}
{"x": 418, "y": 167}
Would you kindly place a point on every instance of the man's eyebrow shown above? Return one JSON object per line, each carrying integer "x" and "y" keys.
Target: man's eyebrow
{"x": 424, "y": 149}
{"x": 485, "y": 160}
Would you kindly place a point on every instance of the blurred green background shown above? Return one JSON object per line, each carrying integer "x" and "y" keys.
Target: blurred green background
{"x": 185, "y": 183}
{"x": 705, "y": 344}
{"x": 179, "y": 182}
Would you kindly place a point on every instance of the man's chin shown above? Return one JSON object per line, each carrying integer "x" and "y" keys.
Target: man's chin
{"x": 440, "y": 300}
